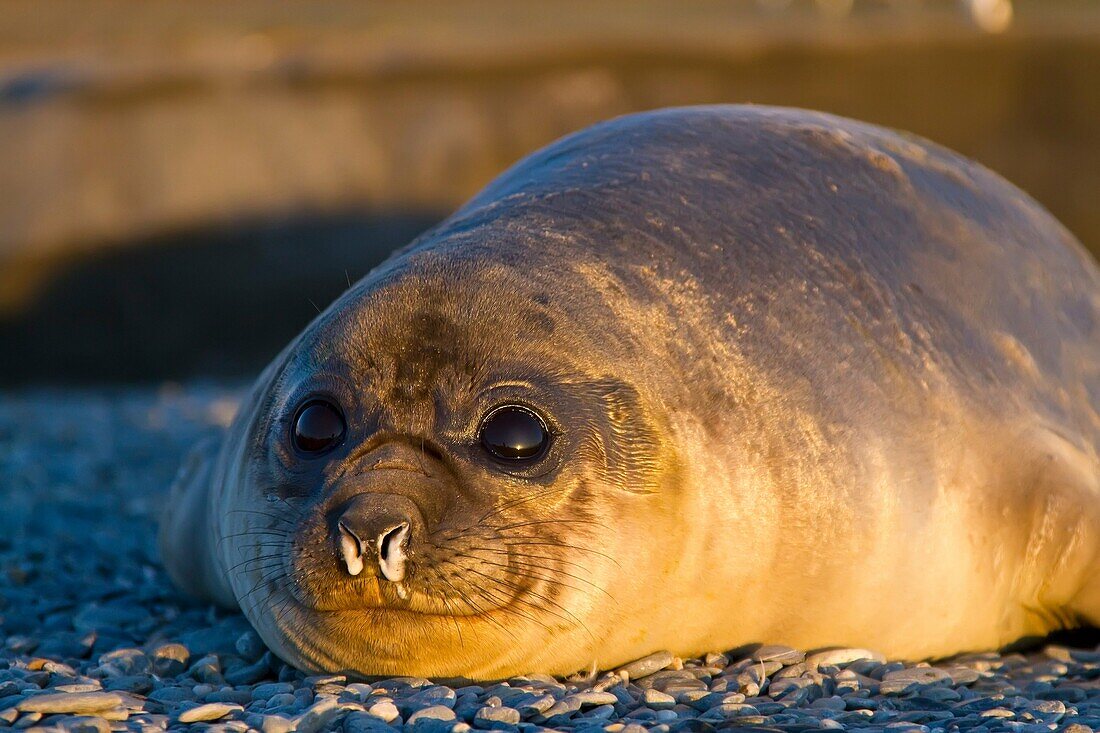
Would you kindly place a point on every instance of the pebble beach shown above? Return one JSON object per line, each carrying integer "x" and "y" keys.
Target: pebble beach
{"x": 93, "y": 637}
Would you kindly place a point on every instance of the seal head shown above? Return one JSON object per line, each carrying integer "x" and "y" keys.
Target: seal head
{"x": 412, "y": 476}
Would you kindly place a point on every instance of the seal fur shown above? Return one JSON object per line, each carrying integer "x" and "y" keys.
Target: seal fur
{"x": 809, "y": 381}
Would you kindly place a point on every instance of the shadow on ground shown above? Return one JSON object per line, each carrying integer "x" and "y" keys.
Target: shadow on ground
{"x": 213, "y": 302}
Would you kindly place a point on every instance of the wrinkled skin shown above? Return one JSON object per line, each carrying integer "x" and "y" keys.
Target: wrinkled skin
{"x": 809, "y": 381}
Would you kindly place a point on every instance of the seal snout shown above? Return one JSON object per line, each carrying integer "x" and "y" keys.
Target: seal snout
{"x": 389, "y": 547}
{"x": 376, "y": 529}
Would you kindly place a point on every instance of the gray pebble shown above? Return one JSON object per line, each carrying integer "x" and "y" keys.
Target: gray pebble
{"x": 427, "y": 696}
{"x": 85, "y": 724}
{"x": 235, "y": 697}
{"x": 941, "y": 694}
{"x": 646, "y": 665}
{"x": 124, "y": 662}
{"x": 207, "y": 711}
{"x": 284, "y": 699}
{"x": 563, "y": 708}
{"x": 657, "y": 700}
{"x": 384, "y": 710}
{"x": 320, "y": 715}
{"x": 361, "y": 688}
{"x": 58, "y": 684}
{"x": 829, "y": 703}
{"x": 496, "y": 718}
{"x": 434, "y": 725}
{"x": 838, "y": 657}
{"x": 220, "y": 638}
{"x": 207, "y": 669}
{"x": 728, "y": 710}
{"x": 250, "y": 646}
{"x": 141, "y": 684}
{"x": 67, "y": 645}
{"x": 1076, "y": 728}
{"x": 248, "y": 674}
{"x": 533, "y": 704}
{"x": 81, "y": 702}
{"x": 276, "y": 724}
{"x": 602, "y": 712}
{"x": 270, "y": 689}
{"x": 784, "y": 655}
{"x": 434, "y": 712}
{"x": 357, "y": 722}
{"x": 633, "y": 728}
{"x": 303, "y": 696}
{"x": 172, "y": 695}
{"x": 27, "y": 720}
{"x": 906, "y": 680}
{"x": 170, "y": 660}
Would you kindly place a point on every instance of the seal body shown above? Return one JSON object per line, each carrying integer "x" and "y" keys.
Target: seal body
{"x": 803, "y": 380}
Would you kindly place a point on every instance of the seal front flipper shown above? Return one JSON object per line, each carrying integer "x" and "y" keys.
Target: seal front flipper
{"x": 1062, "y": 548}
{"x": 184, "y": 540}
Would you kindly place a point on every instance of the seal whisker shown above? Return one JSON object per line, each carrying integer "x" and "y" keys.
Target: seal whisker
{"x": 521, "y": 590}
{"x": 267, "y": 576}
{"x": 250, "y": 533}
{"x": 536, "y": 540}
{"x": 480, "y": 612}
{"x": 569, "y": 617}
{"x": 499, "y": 606}
{"x": 534, "y": 522}
{"x": 556, "y": 581}
{"x": 521, "y": 500}
{"x": 268, "y": 581}
{"x": 420, "y": 457}
{"x": 450, "y": 612}
{"x": 258, "y": 564}
{"x": 282, "y": 608}
{"x": 447, "y": 604}
{"x": 262, "y": 514}
{"x": 506, "y": 604}
{"x": 258, "y": 568}
{"x": 283, "y": 499}
{"x": 500, "y": 602}
{"x": 262, "y": 583}
{"x": 529, "y": 556}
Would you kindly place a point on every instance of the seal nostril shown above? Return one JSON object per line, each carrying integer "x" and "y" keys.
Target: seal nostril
{"x": 385, "y": 542}
{"x": 391, "y": 551}
{"x": 351, "y": 548}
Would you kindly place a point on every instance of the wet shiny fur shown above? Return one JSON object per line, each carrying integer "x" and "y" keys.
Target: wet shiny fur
{"x": 810, "y": 381}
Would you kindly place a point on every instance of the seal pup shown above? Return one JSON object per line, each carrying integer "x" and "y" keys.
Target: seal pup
{"x": 685, "y": 380}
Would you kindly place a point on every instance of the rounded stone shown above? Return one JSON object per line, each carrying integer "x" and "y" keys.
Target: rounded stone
{"x": 207, "y": 711}
{"x": 435, "y": 712}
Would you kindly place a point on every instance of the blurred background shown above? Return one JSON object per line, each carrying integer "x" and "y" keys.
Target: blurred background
{"x": 184, "y": 184}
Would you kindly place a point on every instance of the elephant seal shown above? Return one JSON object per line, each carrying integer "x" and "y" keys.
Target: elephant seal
{"x": 684, "y": 380}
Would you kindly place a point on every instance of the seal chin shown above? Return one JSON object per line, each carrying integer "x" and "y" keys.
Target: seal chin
{"x": 386, "y": 642}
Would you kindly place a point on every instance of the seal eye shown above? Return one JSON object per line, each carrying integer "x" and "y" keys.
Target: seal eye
{"x": 318, "y": 427}
{"x": 514, "y": 433}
